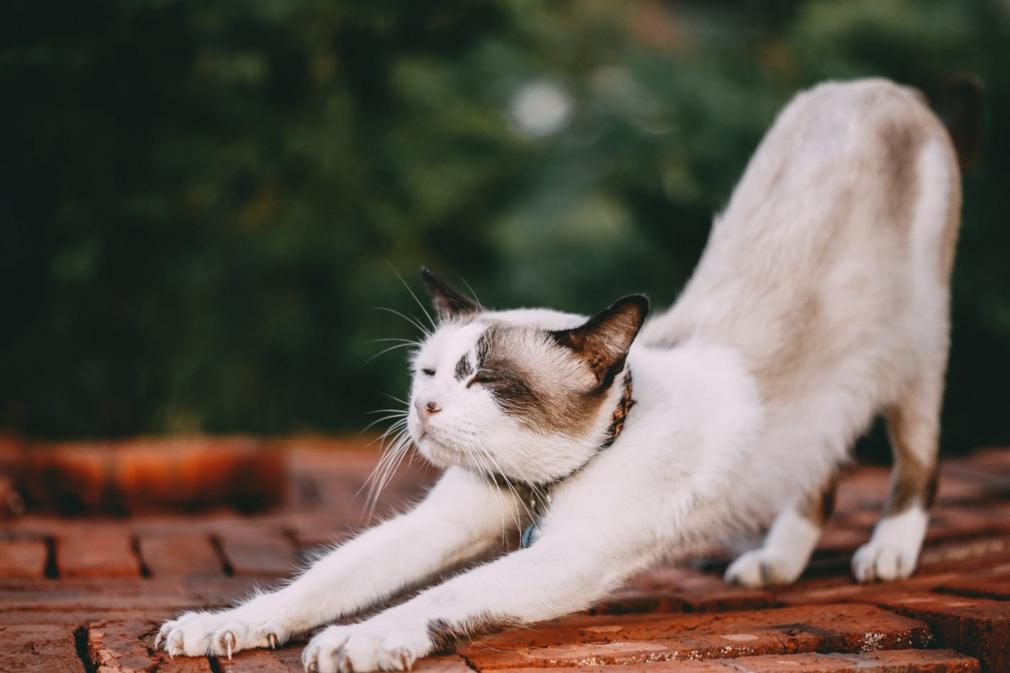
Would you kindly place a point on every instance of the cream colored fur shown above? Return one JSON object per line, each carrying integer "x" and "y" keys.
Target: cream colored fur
{"x": 821, "y": 301}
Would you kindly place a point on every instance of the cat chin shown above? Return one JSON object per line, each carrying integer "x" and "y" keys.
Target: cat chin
{"x": 438, "y": 454}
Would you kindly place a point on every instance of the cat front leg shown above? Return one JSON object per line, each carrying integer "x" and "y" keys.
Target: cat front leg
{"x": 461, "y": 518}
{"x": 554, "y": 577}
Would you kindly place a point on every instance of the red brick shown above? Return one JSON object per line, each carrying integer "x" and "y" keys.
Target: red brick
{"x": 958, "y": 485}
{"x": 115, "y": 647}
{"x": 995, "y": 588}
{"x": 180, "y": 555}
{"x": 866, "y": 488}
{"x": 75, "y": 618}
{"x": 121, "y": 594}
{"x": 285, "y": 660}
{"x": 838, "y": 539}
{"x": 36, "y": 648}
{"x": 635, "y": 601}
{"x": 94, "y": 551}
{"x": 629, "y": 640}
{"x": 977, "y": 627}
{"x": 12, "y": 503}
{"x": 258, "y": 552}
{"x": 128, "y": 647}
{"x": 881, "y": 661}
{"x": 844, "y": 589}
{"x": 447, "y": 664}
{"x": 319, "y": 529}
{"x": 670, "y": 589}
{"x": 64, "y": 477}
{"x": 22, "y": 558}
{"x": 966, "y": 554}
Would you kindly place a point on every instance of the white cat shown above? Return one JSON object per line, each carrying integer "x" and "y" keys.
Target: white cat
{"x": 821, "y": 301}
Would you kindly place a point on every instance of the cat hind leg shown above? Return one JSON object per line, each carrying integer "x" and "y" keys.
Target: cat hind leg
{"x": 913, "y": 426}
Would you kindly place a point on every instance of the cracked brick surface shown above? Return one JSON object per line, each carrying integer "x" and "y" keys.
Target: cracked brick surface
{"x": 87, "y": 595}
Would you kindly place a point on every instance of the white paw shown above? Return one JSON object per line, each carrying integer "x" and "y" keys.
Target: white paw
{"x": 893, "y": 551}
{"x": 762, "y": 567}
{"x": 379, "y": 644}
{"x": 879, "y": 562}
{"x": 221, "y": 634}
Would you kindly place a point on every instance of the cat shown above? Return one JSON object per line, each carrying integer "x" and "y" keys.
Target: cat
{"x": 610, "y": 443}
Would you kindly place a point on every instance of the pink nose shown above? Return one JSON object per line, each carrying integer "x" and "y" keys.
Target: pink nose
{"x": 426, "y": 409}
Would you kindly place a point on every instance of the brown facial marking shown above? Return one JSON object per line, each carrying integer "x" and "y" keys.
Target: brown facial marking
{"x": 446, "y": 636}
{"x": 512, "y": 391}
{"x": 521, "y": 392}
{"x": 818, "y": 507}
{"x": 463, "y": 368}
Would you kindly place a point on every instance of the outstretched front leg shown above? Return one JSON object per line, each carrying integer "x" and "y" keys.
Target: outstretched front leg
{"x": 570, "y": 566}
{"x": 460, "y": 519}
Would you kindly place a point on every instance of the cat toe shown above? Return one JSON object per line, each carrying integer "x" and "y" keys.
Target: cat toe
{"x": 877, "y": 562}
{"x": 759, "y": 568}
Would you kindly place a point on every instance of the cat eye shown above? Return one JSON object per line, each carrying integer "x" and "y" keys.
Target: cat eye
{"x": 482, "y": 376}
{"x": 428, "y": 372}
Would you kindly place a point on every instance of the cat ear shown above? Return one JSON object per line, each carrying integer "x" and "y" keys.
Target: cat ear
{"x": 448, "y": 302}
{"x": 603, "y": 341}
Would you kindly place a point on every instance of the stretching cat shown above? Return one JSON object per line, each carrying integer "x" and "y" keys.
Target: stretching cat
{"x": 821, "y": 301}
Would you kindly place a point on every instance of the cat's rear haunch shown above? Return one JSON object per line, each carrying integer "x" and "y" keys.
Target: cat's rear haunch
{"x": 612, "y": 442}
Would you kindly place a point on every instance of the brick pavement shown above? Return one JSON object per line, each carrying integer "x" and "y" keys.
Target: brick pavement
{"x": 86, "y": 595}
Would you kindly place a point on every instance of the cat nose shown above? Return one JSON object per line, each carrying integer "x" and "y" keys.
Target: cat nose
{"x": 426, "y": 409}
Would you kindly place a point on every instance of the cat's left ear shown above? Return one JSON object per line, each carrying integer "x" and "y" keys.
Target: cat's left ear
{"x": 448, "y": 302}
{"x": 603, "y": 341}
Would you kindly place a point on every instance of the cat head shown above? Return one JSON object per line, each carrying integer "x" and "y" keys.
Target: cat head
{"x": 528, "y": 394}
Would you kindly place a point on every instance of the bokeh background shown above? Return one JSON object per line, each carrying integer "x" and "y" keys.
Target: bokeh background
{"x": 202, "y": 204}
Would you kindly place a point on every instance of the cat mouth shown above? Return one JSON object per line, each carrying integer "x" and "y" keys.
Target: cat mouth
{"x": 438, "y": 452}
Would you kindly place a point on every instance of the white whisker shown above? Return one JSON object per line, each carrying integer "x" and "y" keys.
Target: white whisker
{"x": 423, "y": 308}
{"x": 413, "y": 321}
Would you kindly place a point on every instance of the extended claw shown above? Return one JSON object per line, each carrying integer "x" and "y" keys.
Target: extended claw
{"x": 272, "y": 641}
{"x": 157, "y": 640}
{"x": 174, "y": 645}
{"x": 229, "y": 643}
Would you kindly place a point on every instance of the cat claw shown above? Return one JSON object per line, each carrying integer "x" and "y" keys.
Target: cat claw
{"x": 272, "y": 641}
{"x": 229, "y": 643}
{"x": 174, "y": 645}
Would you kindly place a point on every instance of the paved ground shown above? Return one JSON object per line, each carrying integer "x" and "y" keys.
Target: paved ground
{"x": 87, "y": 595}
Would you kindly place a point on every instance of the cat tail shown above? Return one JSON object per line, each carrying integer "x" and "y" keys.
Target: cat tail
{"x": 961, "y": 109}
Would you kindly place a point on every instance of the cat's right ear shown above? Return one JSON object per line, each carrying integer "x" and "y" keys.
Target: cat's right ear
{"x": 449, "y": 303}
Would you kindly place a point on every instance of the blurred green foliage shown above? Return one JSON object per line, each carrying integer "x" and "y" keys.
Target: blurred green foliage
{"x": 202, "y": 202}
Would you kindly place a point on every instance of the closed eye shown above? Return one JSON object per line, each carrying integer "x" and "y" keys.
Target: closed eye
{"x": 427, "y": 371}
{"x": 482, "y": 376}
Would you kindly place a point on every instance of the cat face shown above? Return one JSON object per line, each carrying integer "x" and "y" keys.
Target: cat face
{"x": 527, "y": 394}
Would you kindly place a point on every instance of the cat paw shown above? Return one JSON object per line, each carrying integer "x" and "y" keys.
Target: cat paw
{"x": 221, "y": 634}
{"x": 377, "y": 644}
{"x": 893, "y": 551}
{"x": 761, "y": 567}
{"x": 879, "y": 562}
